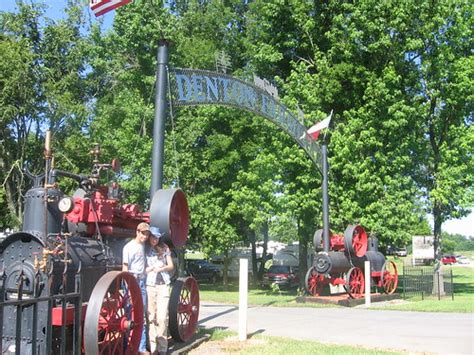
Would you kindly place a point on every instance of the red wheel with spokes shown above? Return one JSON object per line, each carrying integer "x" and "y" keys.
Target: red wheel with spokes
{"x": 355, "y": 284}
{"x": 114, "y": 318}
{"x": 355, "y": 240}
{"x": 314, "y": 282}
{"x": 389, "y": 277}
{"x": 183, "y": 309}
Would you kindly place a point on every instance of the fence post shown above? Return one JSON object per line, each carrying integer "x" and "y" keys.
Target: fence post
{"x": 439, "y": 289}
{"x": 243, "y": 298}
{"x": 404, "y": 284}
{"x": 367, "y": 283}
{"x": 3, "y": 278}
{"x": 78, "y": 312}
{"x": 452, "y": 285}
{"x": 422, "y": 286}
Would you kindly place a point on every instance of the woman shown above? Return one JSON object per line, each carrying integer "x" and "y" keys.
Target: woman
{"x": 159, "y": 267}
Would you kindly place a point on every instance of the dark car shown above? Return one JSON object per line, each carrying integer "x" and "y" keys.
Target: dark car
{"x": 448, "y": 259}
{"x": 282, "y": 275}
{"x": 203, "y": 270}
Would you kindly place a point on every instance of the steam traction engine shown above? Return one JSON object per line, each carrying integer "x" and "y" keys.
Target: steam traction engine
{"x": 61, "y": 285}
{"x": 341, "y": 262}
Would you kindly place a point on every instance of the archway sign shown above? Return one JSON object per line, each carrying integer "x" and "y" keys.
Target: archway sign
{"x": 191, "y": 87}
{"x": 198, "y": 87}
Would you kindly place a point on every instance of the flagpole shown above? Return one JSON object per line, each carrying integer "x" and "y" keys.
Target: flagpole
{"x": 324, "y": 158}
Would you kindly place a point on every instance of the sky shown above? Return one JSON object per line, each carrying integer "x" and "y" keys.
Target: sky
{"x": 55, "y": 9}
{"x": 463, "y": 226}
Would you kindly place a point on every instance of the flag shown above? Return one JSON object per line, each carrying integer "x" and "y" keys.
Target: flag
{"x": 100, "y": 7}
{"x": 314, "y": 130}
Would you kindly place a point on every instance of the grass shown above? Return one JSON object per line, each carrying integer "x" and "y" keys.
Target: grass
{"x": 256, "y": 296}
{"x": 224, "y": 341}
{"x": 463, "y": 279}
{"x": 463, "y": 302}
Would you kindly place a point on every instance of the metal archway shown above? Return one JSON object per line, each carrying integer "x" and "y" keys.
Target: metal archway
{"x": 191, "y": 87}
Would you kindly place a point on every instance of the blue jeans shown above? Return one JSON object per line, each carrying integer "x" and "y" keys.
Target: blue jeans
{"x": 142, "y": 284}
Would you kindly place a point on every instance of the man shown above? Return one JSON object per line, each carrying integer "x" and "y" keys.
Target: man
{"x": 133, "y": 259}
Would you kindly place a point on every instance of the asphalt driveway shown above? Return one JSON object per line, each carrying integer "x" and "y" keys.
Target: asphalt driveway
{"x": 442, "y": 333}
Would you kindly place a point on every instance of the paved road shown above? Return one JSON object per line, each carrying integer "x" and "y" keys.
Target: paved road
{"x": 443, "y": 333}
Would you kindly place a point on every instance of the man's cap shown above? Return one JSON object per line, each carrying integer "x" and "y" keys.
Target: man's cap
{"x": 143, "y": 226}
{"x": 155, "y": 231}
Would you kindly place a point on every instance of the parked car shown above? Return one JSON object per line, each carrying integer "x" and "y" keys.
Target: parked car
{"x": 203, "y": 270}
{"x": 448, "y": 259}
{"x": 461, "y": 259}
{"x": 282, "y": 275}
{"x": 401, "y": 252}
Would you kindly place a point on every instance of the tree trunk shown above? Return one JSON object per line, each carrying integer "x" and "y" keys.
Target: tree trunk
{"x": 437, "y": 218}
{"x": 225, "y": 271}
{"x": 254, "y": 256}
{"x": 303, "y": 252}
{"x": 261, "y": 269}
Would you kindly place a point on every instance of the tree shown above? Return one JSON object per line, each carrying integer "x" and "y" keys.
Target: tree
{"x": 443, "y": 67}
{"x": 42, "y": 88}
{"x": 370, "y": 63}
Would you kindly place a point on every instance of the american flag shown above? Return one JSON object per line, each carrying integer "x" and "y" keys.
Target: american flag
{"x": 100, "y": 7}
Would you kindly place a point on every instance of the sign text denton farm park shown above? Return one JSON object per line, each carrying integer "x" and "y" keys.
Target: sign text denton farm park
{"x": 198, "y": 87}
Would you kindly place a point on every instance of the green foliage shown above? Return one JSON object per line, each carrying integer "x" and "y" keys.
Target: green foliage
{"x": 44, "y": 86}
{"x": 397, "y": 75}
{"x": 456, "y": 242}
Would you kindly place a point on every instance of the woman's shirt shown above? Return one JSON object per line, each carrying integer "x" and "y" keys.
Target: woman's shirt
{"x": 154, "y": 259}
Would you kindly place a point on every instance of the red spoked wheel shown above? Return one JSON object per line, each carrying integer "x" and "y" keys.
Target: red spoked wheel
{"x": 355, "y": 240}
{"x": 183, "y": 309}
{"x": 314, "y": 282}
{"x": 355, "y": 284}
{"x": 114, "y": 318}
{"x": 389, "y": 277}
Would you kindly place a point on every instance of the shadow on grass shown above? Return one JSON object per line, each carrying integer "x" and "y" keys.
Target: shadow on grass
{"x": 463, "y": 288}
{"x": 219, "y": 333}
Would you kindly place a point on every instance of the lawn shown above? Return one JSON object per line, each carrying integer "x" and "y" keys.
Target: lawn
{"x": 256, "y": 296}
{"x": 225, "y": 342}
{"x": 463, "y": 279}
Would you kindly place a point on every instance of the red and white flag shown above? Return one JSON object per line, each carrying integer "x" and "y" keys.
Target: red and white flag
{"x": 100, "y": 7}
{"x": 314, "y": 130}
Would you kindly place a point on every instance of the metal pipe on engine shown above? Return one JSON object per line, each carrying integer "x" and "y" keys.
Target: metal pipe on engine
{"x": 324, "y": 152}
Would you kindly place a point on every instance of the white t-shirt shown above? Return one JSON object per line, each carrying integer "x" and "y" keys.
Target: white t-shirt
{"x": 133, "y": 254}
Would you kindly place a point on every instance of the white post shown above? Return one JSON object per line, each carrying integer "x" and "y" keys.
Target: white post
{"x": 243, "y": 298}
{"x": 367, "y": 283}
